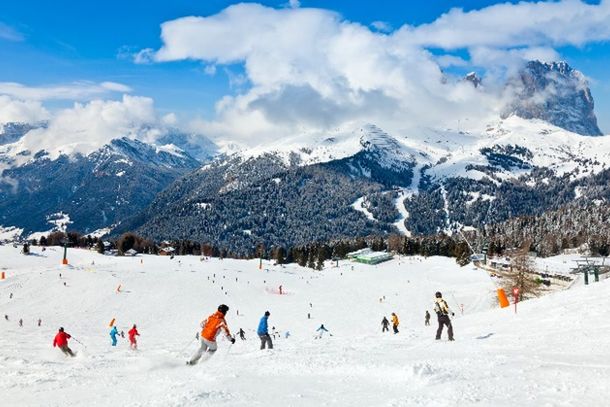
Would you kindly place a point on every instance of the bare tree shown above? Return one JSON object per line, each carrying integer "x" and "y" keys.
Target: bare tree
{"x": 521, "y": 274}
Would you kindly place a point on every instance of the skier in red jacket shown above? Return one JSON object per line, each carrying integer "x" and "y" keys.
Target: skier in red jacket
{"x": 61, "y": 341}
{"x": 133, "y": 332}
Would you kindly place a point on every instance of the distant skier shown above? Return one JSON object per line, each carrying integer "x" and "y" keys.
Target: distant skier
{"x": 442, "y": 311}
{"x": 61, "y": 341}
{"x": 242, "y": 334}
{"x": 321, "y": 330}
{"x": 10, "y": 297}
{"x": 113, "y": 334}
{"x": 210, "y": 329}
{"x": 20, "y": 322}
{"x": 39, "y": 322}
{"x": 385, "y": 325}
{"x": 6, "y": 317}
{"x": 281, "y": 290}
{"x": 427, "y": 318}
{"x": 133, "y": 332}
{"x": 263, "y": 331}
{"x": 395, "y": 322}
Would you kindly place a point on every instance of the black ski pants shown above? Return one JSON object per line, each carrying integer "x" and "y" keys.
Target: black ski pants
{"x": 395, "y": 328}
{"x": 266, "y": 340}
{"x": 385, "y": 328}
{"x": 442, "y": 321}
{"x": 67, "y": 351}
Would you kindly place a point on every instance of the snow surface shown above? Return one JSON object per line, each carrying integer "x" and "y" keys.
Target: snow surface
{"x": 359, "y": 206}
{"x": 555, "y": 351}
{"x": 10, "y": 233}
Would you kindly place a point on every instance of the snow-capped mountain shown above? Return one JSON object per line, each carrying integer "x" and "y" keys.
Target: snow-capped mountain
{"x": 349, "y": 182}
{"x": 94, "y": 190}
{"x": 556, "y": 93}
{"x": 366, "y": 181}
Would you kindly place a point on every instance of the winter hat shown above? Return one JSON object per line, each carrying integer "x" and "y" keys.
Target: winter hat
{"x": 61, "y": 329}
{"x": 223, "y": 308}
{"x": 439, "y": 295}
{"x": 267, "y": 313}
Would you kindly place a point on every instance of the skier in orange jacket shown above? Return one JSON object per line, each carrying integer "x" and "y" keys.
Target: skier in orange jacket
{"x": 211, "y": 327}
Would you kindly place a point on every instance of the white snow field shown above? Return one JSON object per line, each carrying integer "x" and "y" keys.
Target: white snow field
{"x": 555, "y": 351}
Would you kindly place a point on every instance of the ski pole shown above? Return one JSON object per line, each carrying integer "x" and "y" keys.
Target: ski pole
{"x": 85, "y": 346}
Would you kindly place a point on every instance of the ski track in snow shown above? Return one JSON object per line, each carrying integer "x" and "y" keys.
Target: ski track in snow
{"x": 357, "y": 205}
{"x": 555, "y": 351}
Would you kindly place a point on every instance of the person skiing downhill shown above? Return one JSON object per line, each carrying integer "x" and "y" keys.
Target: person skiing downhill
{"x": 427, "y": 318}
{"x": 242, "y": 334}
{"x": 321, "y": 330}
{"x": 210, "y": 329}
{"x": 61, "y": 341}
{"x": 385, "y": 325}
{"x": 133, "y": 332}
{"x": 113, "y": 334}
{"x": 395, "y": 322}
{"x": 263, "y": 331}
{"x": 442, "y": 311}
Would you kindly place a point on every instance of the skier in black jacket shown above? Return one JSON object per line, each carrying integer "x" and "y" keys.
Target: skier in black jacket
{"x": 442, "y": 311}
{"x": 385, "y": 325}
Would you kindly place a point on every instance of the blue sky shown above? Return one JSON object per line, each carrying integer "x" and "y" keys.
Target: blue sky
{"x": 46, "y": 43}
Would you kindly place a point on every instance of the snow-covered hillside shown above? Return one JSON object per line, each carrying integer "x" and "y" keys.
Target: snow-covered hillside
{"x": 552, "y": 353}
{"x": 451, "y": 152}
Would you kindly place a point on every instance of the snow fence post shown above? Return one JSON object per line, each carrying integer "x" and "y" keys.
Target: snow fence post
{"x": 502, "y": 298}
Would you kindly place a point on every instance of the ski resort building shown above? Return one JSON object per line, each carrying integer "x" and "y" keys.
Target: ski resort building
{"x": 367, "y": 256}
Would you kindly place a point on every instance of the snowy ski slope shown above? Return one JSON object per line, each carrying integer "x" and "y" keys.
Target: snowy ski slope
{"x": 555, "y": 351}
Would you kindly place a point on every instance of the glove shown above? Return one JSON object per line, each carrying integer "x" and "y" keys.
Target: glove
{"x": 232, "y": 340}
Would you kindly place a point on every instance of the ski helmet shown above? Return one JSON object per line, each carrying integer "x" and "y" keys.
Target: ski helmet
{"x": 223, "y": 308}
{"x": 439, "y": 295}
{"x": 61, "y": 329}
{"x": 267, "y": 313}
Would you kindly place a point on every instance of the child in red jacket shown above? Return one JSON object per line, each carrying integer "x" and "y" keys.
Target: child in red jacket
{"x": 133, "y": 332}
{"x": 61, "y": 341}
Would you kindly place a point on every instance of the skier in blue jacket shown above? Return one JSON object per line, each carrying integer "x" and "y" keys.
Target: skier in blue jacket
{"x": 113, "y": 333}
{"x": 263, "y": 332}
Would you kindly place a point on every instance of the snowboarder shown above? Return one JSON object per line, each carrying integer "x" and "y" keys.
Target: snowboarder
{"x": 20, "y": 322}
{"x": 210, "y": 329}
{"x": 442, "y": 311}
{"x": 427, "y": 318}
{"x": 321, "y": 330}
{"x": 242, "y": 334}
{"x": 385, "y": 325}
{"x": 395, "y": 322}
{"x": 133, "y": 332}
{"x": 280, "y": 290}
{"x": 39, "y": 322}
{"x": 263, "y": 332}
{"x": 61, "y": 341}
{"x": 113, "y": 333}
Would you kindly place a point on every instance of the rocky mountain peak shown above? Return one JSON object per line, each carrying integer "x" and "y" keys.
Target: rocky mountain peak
{"x": 473, "y": 78}
{"x": 553, "y": 92}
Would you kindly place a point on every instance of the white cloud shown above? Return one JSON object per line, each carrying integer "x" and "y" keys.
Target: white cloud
{"x": 525, "y": 24}
{"x": 12, "y": 110}
{"x": 308, "y": 70}
{"x": 294, "y": 3}
{"x": 82, "y": 90}
{"x": 85, "y": 127}
{"x": 9, "y": 33}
